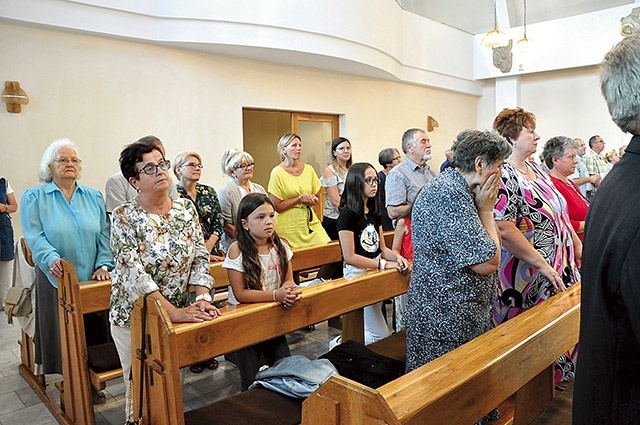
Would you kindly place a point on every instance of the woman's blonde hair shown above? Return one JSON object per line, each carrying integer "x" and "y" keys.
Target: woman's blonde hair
{"x": 181, "y": 159}
{"x": 285, "y": 141}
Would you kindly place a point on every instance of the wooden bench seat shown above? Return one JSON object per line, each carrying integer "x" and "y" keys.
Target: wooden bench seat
{"x": 77, "y": 299}
{"x": 514, "y": 359}
{"x": 172, "y": 346}
{"x": 262, "y": 406}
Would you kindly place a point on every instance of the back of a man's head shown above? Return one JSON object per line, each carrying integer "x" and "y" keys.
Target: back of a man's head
{"x": 620, "y": 83}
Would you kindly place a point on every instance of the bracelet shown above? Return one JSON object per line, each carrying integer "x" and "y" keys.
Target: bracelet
{"x": 205, "y": 296}
{"x": 274, "y": 295}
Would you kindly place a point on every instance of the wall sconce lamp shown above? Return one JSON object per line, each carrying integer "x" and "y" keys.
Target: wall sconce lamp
{"x": 14, "y": 96}
{"x": 431, "y": 123}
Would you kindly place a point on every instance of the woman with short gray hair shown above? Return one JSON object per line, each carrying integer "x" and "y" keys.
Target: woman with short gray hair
{"x": 560, "y": 155}
{"x": 238, "y": 165}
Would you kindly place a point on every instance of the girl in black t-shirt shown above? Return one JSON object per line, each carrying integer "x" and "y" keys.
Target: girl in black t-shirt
{"x": 361, "y": 240}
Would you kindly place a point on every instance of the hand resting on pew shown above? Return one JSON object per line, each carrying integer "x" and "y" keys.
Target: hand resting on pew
{"x": 200, "y": 311}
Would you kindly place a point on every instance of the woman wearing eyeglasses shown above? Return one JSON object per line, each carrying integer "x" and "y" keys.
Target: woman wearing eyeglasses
{"x": 387, "y": 158}
{"x": 362, "y": 242}
{"x": 63, "y": 219}
{"x": 239, "y": 166}
{"x": 159, "y": 250}
{"x": 188, "y": 168}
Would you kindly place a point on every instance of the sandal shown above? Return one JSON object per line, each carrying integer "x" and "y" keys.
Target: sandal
{"x": 211, "y": 364}
{"x": 197, "y": 368}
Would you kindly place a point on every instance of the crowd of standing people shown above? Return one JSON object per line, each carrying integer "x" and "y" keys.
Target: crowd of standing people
{"x": 491, "y": 236}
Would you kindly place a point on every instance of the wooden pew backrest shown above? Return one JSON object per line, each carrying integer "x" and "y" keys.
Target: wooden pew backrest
{"x": 466, "y": 383}
{"x": 176, "y": 345}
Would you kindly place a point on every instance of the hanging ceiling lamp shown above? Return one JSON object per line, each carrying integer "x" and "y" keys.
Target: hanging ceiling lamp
{"x": 522, "y": 46}
{"x": 495, "y": 37}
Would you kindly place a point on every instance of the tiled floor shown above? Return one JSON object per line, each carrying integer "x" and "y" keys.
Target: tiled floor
{"x": 19, "y": 404}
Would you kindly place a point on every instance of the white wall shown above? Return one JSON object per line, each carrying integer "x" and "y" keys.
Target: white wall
{"x": 103, "y": 93}
{"x": 566, "y": 102}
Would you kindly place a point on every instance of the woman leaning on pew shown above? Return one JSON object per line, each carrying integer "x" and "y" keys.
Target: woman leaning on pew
{"x": 63, "y": 219}
{"x": 457, "y": 256}
{"x": 159, "y": 249}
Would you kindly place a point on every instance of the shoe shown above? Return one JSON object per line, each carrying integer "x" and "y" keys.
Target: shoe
{"x": 310, "y": 328}
{"x": 211, "y": 364}
{"x": 197, "y": 368}
{"x": 335, "y": 342}
{"x": 98, "y": 396}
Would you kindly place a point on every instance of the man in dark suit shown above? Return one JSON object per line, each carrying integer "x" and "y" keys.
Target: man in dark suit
{"x": 607, "y": 387}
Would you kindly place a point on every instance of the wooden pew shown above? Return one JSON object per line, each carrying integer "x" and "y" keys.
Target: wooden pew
{"x": 172, "y": 346}
{"x": 514, "y": 359}
{"x": 77, "y": 299}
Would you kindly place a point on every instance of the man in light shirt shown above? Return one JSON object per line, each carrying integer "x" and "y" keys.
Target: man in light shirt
{"x": 581, "y": 176}
{"x": 595, "y": 162}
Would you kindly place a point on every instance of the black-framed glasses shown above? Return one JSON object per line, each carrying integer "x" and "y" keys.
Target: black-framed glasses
{"x": 343, "y": 148}
{"x": 396, "y": 158}
{"x": 72, "y": 161}
{"x": 372, "y": 181}
{"x": 245, "y": 166}
{"x": 151, "y": 169}
{"x": 193, "y": 165}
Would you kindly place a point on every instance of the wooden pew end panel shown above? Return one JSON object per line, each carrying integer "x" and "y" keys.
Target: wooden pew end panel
{"x": 343, "y": 401}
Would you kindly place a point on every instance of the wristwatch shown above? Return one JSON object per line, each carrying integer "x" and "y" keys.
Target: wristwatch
{"x": 382, "y": 263}
{"x": 205, "y": 297}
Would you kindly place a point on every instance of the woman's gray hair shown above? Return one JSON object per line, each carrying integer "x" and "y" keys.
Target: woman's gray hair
{"x": 181, "y": 159}
{"x": 620, "y": 83}
{"x": 231, "y": 158}
{"x": 556, "y": 147}
{"x": 50, "y": 155}
{"x": 471, "y": 144}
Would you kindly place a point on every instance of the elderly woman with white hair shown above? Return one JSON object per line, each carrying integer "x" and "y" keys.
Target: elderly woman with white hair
{"x": 62, "y": 219}
{"x": 238, "y": 165}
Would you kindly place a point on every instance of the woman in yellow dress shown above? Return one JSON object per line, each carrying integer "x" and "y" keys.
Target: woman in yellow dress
{"x": 293, "y": 189}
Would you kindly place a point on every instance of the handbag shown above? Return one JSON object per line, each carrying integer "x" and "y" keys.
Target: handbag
{"x": 17, "y": 303}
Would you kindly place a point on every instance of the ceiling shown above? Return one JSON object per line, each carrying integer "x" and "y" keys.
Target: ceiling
{"x": 476, "y": 16}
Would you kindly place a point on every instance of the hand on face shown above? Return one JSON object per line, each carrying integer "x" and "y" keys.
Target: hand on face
{"x": 487, "y": 194}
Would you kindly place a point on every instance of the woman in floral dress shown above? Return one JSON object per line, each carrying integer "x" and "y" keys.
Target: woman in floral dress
{"x": 158, "y": 249}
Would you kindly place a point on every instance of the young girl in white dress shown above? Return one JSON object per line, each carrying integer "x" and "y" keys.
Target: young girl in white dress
{"x": 259, "y": 268}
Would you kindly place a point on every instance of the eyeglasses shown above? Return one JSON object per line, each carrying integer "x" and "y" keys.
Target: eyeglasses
{"x": 343, "y": 148}
{"x": 193, "y": 165}
{"x": 372, "y": 181}
{"x": 72, "y": 161}
{"x": 245, "y": 166}
{"x": 397, "y": 158}
{"x": 151, "y": 169}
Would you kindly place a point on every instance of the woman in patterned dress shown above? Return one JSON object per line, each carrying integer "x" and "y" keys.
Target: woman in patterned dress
{"x": 188, "y": 168}
{"x": 541, "y": 251}
{"x": 158, "y": 249}
{"x": 456, "y": 248}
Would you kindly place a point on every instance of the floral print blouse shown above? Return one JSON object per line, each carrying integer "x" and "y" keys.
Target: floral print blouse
{"x": 208, "y": 208}
{"x": 153, "y": 252}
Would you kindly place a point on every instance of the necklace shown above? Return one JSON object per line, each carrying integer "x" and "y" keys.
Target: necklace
{"x": 526, "y": 168}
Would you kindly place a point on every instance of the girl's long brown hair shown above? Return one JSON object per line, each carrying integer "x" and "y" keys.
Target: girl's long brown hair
{"x": 247, "y": 244}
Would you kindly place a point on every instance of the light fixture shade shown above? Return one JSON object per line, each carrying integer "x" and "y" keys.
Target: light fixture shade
{"x": 523, "y": 46}
{"x": 14, "y": 96}
{"x": 494, "y": 38}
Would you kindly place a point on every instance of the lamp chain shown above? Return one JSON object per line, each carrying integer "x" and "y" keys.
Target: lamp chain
{"x": 525, "y": 19}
